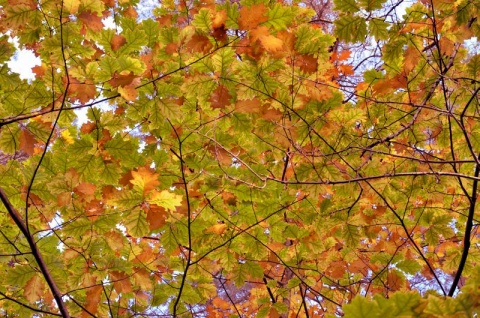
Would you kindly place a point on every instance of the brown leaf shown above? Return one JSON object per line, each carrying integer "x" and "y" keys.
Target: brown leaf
{"x": 27, "y": 142}
{"x": 34, "y": 289}
{"x": 122, "y": 79}
{"x": 308, "y": 63}
{"x": 220, "y": 97}
{"x": 88, "y": 127}
{"x": 156, "y": 217}
{"x": 199, "y": 43}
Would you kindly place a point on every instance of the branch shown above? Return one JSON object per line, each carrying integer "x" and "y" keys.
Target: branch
{"x": 17, "y": 218}
{"x": 29, "y": 307}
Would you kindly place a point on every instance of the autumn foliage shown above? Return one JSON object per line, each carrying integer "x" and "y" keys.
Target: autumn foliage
{"x": 244, "y": 158}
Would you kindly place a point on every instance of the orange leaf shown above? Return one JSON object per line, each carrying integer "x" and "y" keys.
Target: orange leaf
{"x": 218, "y": 229}
{"x": 248, "y": 105}
{"x": 64, "y": 199}
{"x": 251, "y": 17}
{"x": 268, "y": 41}
{"x": 117, "y": 42}
{"x": 219, "y": 19}
{"x": 93, "y": 299}
{"x": 121, "y": 282}
{"x": 199, "y": 43}
{"x": 88, "y": 127}
{"x": 307, "y": 63}
{"x": 91, "y": 21}
{"x": 129, "y": 92}
{"x": 340, "y": 56}
{"x": 39, "y": 70}
{"x": 130, "y": 12}
{"x": 82, "y": 91}
{"x": 145, "y": 178}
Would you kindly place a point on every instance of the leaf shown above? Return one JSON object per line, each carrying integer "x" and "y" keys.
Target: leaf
{"x": 136, "y": 223}
{"x": 350, "y": 28}
{"x": 91, "y": 20}
{"x": 165, "y": 199}
{"x": 71, "y": 6}
{"x": 360, "y": 307}
{"x": 220, "y": 98}
{"x": 252, "y": 16}
{"x": 269, "y": 42}
{"x": 34, "y": 289}
{"x": 81, "y": 91}
{"x": 27, "y": 142}
{"x": 117, "y": 42}
{"x": 129, "y": 92}
{"x": 145, "y": 179}
{"x": 349, "y": 6}
{"x": 217, "y": 229}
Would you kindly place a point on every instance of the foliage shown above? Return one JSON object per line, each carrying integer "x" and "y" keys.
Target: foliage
{"x": 240, "y": 158}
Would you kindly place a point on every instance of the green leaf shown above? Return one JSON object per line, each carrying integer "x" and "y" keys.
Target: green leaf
{"x": 349, "y": 6}
{"x": 136, "y": 222}
{"x": 360, "y": 307}
{"x": 279, "y": 17}
{"x": 351, "y": 28}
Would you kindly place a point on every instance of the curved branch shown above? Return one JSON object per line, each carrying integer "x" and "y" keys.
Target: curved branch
{"x": 17, "y": 218}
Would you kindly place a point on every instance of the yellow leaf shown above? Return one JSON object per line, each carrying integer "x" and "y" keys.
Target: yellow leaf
{"x": 165, "y": 199}
{"x": 128, "y": 92}
{"x": 71, "y": 5}
{"x": 67, "y": 137}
